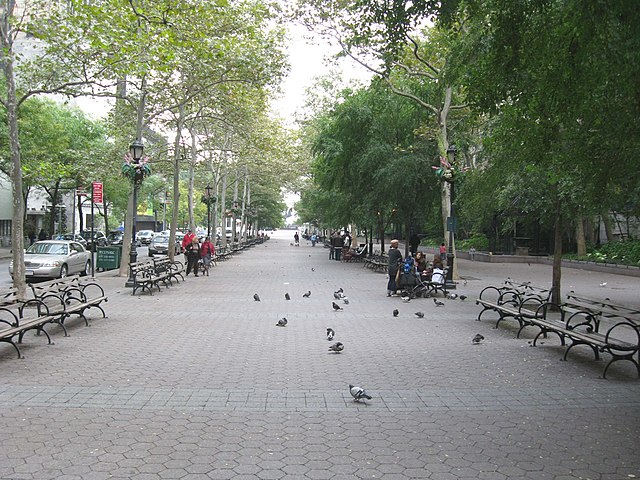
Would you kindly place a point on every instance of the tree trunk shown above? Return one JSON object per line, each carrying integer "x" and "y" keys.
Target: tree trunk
{"x": 11, "y": 104}
{"x": 192, "y": 166}
{"x": 176, "y": 181}
{"x": 608, "y": 229}
{"x": 556, "y": 277}
{"x": 580, "y": 237}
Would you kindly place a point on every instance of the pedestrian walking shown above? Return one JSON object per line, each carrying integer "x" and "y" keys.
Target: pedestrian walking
{"x": 207, "y": 251}
{"x": 193, "y": 256}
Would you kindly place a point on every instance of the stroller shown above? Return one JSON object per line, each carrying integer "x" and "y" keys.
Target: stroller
{"x": 407, "y": 281}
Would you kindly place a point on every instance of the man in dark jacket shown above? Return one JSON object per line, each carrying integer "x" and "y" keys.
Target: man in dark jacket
{"x": 395, "y": 258}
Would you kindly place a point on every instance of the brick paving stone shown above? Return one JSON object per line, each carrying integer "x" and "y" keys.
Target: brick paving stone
{"x": 233, "y": 396}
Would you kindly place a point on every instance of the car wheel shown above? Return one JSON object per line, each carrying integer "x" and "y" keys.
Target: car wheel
{"x": 87, "y": 269}
{"x": 64, "y": 271}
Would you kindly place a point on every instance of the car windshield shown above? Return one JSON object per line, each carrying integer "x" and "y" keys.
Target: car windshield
{"x": 40, "y": 248}
{"x": 161, "y": 239}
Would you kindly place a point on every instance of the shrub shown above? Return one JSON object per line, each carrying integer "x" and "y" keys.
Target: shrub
{"x": 479, "y": 241}
{"x": 626, "y": 252}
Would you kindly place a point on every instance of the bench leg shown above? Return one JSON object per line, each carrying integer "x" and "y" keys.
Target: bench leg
{"x": 543, "y": 332}
{"x": 574, "y": 343}
{"x": 9, "y": 340}
{"x": 621, "y": 357}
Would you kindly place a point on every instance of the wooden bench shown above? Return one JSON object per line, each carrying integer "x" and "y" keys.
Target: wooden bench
{"x": 163, "y": 271}
{"x": 617, "y": 336}
{"x": 605, "y": 307}
{"x": 8, "y": 296}
{"x": 376, "y": 262}
{"x": 70, "y": 296}
{"x": 20, "y": 317}
{"x": 501, "y": 300}
{"x": 143, "y": 274}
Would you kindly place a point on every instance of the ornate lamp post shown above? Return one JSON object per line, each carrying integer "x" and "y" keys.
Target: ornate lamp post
{"x": 136, "y": 150}
{"x": 446, "y": 172}
{"x": 208, "y": 201}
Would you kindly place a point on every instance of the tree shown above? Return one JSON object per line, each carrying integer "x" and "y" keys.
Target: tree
{"x": 560, "y": 78}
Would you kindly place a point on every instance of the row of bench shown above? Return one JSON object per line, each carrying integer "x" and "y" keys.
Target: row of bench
{"x": 150, "y": 274}
{"x": 600, "y": 324}
{"x": 162, "y": 271}
{"x": 377, "y": 261}
{"x": 50, "y": 302}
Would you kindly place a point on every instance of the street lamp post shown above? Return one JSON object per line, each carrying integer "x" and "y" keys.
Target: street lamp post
{"x": 451, "y": 221}
{"x": 136, "y": 149}
{"x": 208, "y": 190}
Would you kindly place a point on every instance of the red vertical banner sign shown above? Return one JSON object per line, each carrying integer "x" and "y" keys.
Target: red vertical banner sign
{"x": 96, "y": 192}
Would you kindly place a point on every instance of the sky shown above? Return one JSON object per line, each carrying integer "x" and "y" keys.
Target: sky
{"x": 309, "y": 56}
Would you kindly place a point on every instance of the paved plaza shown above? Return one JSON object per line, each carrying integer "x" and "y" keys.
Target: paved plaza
{"x": 197, "y": 382}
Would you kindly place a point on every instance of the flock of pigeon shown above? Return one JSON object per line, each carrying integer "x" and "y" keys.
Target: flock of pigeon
{"x": 450, "y": 296}
{"x": 358, "y": 393}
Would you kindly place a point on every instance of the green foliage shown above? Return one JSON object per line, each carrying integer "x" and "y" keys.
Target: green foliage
{"x": 479, "y": 241}
{"x": 625, "y": 252}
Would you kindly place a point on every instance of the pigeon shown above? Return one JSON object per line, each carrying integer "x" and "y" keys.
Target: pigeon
{"x": 282, "y": 322}
{"x": 358, "y": 393}
{"x": 313, "y": 269}
{"x": 406, "y": 299}
{"x": 307, "y": 295}
{"x": 345, "y": 300}
{"x": 463, "y": 297}
{"x": 603, "y": 284}
{"x": 336, "y": 347}
{"x": 336, "y": 307}
{"x": 340, "y": 290}
{"x": 452, "y": 296}
{"x": 438, "y": 303}
{"x": 330, "y": 333}
{"x": 477, "y": 339}
{"x": 256, "y": 297}
{"x": 419, "y": 314}
{"x": 286, "y": 296}
{"x": 395, "y": 312}
{"x": 336, "y": 295}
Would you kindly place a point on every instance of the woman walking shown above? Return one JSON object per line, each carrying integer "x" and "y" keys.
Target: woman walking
{"x": 207, "y": 251}
{"x": 193, "y": 256}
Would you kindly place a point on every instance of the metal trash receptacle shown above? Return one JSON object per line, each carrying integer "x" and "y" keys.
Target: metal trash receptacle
{"x": 108, "y": 258}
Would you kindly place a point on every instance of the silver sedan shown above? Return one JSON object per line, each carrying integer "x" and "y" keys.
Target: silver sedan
{"x": 55, "y": 259}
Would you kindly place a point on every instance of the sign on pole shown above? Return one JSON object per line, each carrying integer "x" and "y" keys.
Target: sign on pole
{"x": 96, "y": 192}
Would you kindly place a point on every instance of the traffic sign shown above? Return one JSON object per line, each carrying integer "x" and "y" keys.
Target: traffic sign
{"x": 96, "y": 192}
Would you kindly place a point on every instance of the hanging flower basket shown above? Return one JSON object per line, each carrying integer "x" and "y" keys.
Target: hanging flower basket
{"x": 136, "y": 171}
{"x": 446, "y": 171}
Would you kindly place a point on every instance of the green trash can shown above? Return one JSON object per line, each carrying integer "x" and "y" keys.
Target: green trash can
{"x": 108, "y": 258}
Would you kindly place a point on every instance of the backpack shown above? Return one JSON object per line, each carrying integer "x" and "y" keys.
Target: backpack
{"x": 408, "y": 265}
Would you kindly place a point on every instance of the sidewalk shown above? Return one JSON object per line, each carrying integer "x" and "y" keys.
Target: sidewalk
{"x": 197, "y": 382}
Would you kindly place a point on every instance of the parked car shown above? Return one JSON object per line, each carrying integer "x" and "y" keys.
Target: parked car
{"x": 115, "y": 238}
{"x": 55, "y": 259}
{"x": 72, "y": 237}
{"x": 145, "y": 236}
{"x": 98, "y": 238}
{"x": 160, "y": 246}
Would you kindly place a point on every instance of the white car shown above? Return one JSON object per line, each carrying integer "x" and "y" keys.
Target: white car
{"x": 145, "y": 236}
{"x": 55, "y": 259}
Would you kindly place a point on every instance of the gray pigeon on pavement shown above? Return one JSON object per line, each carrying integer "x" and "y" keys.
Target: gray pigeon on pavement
{"x": 307, "y": 295}
{"x": 256, "y": 297}
{"x": 282, "y": 322}
{"x": 330, "y": 333}
{"x": 463, "y": 297}
{"x": 336, "y": 347}
{"x": 477, "y": 339}
{"x": 419, "y": 314}
{"x": 336, "y": 307}
{"x": 438, "y": 303}
{"x": 358, "y": 393}
{"x": 396, "y": 312}
{"x": 287, "y": 296}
